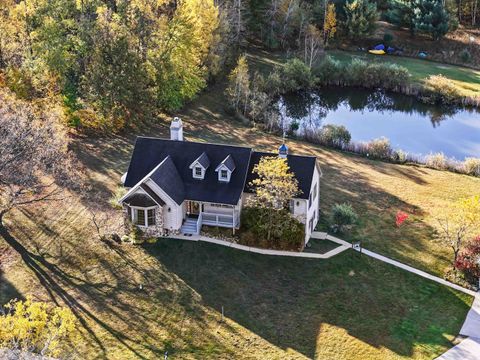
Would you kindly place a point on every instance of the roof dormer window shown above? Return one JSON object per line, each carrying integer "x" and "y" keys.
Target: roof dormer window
{"x": 225, "y": 169}
{"x": 198, "y": 172}
{"x": 200, "y": 166}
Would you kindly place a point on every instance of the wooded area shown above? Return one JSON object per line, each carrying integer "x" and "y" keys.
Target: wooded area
{"x": 115, "y": 64}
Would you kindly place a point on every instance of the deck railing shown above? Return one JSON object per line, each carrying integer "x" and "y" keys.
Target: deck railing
{"x": 223, "y": 220}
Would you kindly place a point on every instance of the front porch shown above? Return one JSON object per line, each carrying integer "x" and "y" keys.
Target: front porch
{"x": 199, "y": 214}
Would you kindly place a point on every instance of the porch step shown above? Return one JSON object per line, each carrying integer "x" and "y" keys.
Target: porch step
{"x": 189, "y": 226}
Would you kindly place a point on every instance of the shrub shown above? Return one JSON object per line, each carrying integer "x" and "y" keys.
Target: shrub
{"x": 468, "y": 261}
{"x": 335, "y": 135}
{"x": 343, "y": 216}
{"x": 440, "y": 89}
{"x": 380, "y": 149}
{"x": 330, "y": 71}
{"x": 288, "y": 234}
{"x": 472, "y": 166}
{"x": 465, "y": 56}
{"x": 437, "y": 161}
{"x": 296, "y": 75}
{"x": 399, "y": 156}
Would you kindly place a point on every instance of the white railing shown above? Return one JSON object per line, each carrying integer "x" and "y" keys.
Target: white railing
{"x": 217, "y": 219}
{"x": 199, "y": 223}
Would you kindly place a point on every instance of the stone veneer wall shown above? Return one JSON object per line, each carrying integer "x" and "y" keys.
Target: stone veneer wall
{"x": 151, "y": 231}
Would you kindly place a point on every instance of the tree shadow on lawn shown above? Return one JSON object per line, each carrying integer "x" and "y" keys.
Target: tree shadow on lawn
{"x": 102, "y": 289}
{"x": 8, "y": 291}
{"x": 59, "y": 284}
{"x": 286, "y": 300}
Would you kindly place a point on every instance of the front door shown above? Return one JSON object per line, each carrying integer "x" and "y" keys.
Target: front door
{"x": 193, "y": 208}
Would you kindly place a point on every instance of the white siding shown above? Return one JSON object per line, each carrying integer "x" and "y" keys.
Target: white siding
{"x": 173, "y": 219}
{"x": 313, "y": 209}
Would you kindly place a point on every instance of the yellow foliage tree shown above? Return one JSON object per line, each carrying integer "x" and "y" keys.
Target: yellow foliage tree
{"x": 33, "y": 326}
{"x": 460, "y": 223}
{"x": 330, "y": 23}
{"x": 275, "y": 185}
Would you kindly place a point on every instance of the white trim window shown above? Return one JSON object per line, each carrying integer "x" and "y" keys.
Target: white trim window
{"x": 224, "y": 174}
{"x": 143, "y": 217}
{"x": 198, "y": 172}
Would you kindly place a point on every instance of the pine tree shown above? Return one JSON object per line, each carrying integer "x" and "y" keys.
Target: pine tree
{"x": 431, "y": 17}
{"x": 361, "y": 16}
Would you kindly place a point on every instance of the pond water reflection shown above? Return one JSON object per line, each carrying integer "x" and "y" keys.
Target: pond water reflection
{"x": 409, "y": 124}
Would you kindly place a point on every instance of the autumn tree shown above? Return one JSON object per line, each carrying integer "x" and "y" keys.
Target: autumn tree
{"x": 312, "y": 46}
{"x": 35, "y": 327}
{"x": 35, "y": 164}
{"x": 330, "y": 23}
{"x": 274, "y": 186}
{"x": 238, "y": 90}
{"x": 459, "y": 223}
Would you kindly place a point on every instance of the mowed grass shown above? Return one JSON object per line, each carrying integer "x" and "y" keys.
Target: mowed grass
{"x": 467, "y": 80}
{"x": 320, "y": 246}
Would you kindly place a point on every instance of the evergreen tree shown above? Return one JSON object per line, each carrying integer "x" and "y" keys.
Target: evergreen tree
{"x": 431, "y": 17}
{"x": 361, "y": 16}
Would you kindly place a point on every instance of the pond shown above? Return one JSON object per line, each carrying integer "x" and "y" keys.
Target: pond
{"x": 410, "y": 125}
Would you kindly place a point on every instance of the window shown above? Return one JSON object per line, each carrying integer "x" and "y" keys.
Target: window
{"x": 314, "y": 192}
{"x": 292, "y": 206}
{"x": 310, "y": 200}
{"x": 198, "y": 171}
{"x": 151, "y": 217}
{"x": 224, "y": 174}
{"x": 140, "y": 217}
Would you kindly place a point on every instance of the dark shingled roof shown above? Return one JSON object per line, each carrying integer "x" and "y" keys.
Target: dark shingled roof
{"x": 169, "y": 180}
{"x": 174, "y": 176}
{"x": 152, "y": 194}
{"x": 141, "y": 200}
{"x": 229, "y": 163}
{"x": 203, "y": 160}
{"x": 302, "y": 166}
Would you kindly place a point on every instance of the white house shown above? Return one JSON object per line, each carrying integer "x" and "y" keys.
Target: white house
{"x": 176, "y": 186}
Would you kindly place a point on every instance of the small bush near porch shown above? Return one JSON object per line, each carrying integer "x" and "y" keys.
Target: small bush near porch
{"x": 285, "y": 233}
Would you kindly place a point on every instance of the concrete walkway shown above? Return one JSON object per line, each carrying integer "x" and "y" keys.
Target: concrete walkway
{"x": 468, "y": 349}
{"x": 232, "y": 245}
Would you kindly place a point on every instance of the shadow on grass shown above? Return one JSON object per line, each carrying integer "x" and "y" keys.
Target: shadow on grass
{"x": 286, "y": 301}
{"x": 7, "y": 290}
{"x": 55, "y": 282}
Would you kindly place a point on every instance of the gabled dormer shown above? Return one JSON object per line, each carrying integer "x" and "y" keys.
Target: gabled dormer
{"x": 225, "y": 169}
{"x": 200, "y": 166}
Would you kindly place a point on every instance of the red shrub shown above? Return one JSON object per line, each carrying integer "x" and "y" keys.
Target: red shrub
{"x": 400, "y": 218}
{"x": 468, "y": 259}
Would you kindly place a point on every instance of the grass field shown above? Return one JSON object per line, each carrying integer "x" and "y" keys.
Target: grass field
{"x": 347, "y": 307}
{"x": 467, "y": 80}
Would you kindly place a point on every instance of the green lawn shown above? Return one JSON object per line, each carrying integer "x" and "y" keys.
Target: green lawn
{"x": 349, "y": 307}
{"x": 467, "y": 80}
{"x": 320, "y": 246}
